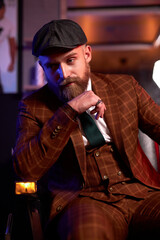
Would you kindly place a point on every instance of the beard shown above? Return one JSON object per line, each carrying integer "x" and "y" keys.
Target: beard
{"x": 71, "y": 87}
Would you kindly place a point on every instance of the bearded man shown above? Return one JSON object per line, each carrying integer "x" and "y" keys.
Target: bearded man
{"x": 81, "y": 131}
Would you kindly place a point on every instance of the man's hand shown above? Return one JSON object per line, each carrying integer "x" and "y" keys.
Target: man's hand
{"x": 86, "y": 100}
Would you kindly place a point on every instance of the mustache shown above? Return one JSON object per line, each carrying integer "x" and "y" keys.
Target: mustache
{"x": 68, "y": 80}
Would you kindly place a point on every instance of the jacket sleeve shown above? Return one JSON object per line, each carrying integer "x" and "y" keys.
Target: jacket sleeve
{"x": 148, "y": 113}
{"x": 38, "y": 145}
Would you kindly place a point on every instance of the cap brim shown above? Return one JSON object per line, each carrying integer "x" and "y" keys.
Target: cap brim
{"x": 54, "y": 50}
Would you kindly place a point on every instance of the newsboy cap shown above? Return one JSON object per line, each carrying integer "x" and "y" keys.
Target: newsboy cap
{"x": 58, "y": 35}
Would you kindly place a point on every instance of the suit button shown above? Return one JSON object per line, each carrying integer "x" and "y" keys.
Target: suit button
{"x": 119, "y": 173}
{"x": 105, "y": 177}
{"x": 59, "y": 127}
{"x": 82, "y": 186}
{"x": 59, "y": 208}
{"x": 111, "y": 150}
{"x": 111, "y": 189}
{"x": 53, "y": 135}
{"x": 97, "y": 154}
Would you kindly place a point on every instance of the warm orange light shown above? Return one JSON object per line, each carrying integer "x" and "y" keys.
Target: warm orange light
{"x": 25, "y": 187}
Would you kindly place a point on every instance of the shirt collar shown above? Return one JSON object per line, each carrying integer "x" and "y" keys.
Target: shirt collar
{"x": 89, "y": 86}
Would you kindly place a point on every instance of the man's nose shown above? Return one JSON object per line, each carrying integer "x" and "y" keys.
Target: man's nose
{"x": 60, "y": 72}
{"x": 64, "y": 71}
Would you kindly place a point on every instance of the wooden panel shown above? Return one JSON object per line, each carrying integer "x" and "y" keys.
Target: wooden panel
{"x": 107, "y": 60}
{"x": 122, "y": 34}
{"x": 110, "y": 3}
{"x": 119, "y": 29}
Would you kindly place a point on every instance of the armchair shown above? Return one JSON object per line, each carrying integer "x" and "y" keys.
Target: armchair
{"x": 25, "y": 220}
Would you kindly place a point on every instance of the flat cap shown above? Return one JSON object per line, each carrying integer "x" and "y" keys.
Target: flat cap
{"x": 57, "y": 36}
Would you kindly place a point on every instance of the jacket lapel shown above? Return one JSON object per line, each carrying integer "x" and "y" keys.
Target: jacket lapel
{"x": 105, "y": 90}
{"x": 112, "y": 113}
{"x": 80, "y": 151}
{"x": 112, "y": 118}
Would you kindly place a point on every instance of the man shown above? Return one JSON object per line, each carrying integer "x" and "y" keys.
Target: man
{"x": 7, "y": 32}
{"x": 100, "y": 189}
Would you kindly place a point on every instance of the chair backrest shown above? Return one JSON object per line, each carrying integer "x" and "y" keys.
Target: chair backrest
{"x": 151, "y": 150}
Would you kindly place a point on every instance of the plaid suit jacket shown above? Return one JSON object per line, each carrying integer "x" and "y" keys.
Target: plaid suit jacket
{"x": 50, "y": 143}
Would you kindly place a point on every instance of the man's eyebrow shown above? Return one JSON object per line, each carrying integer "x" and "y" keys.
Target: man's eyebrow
{"x": 71, "y": 55}
{"x": 53, "y": 62}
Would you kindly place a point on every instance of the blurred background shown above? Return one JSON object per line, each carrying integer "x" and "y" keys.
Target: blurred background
{"x": 125, "y": 38}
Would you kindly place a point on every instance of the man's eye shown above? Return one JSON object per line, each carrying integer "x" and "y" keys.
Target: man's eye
{"x": 70, "y": 60}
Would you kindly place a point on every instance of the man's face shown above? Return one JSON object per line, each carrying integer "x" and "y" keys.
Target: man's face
{"x": 67, "y": 73}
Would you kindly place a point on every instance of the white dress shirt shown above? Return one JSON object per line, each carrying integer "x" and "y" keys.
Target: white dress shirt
{"x": 100, "y": 122}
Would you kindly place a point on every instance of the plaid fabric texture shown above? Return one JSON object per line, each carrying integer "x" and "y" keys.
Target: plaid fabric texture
{"x": 50, "y": 142}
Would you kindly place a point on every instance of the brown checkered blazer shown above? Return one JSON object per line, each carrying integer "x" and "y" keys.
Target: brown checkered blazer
{"x": 49, "y": 140}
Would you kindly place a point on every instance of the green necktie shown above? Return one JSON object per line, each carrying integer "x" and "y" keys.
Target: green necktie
{"x": 91, "y": 130}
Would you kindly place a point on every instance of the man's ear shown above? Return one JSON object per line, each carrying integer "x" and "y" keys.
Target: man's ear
{"x": 88, "y": 53}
